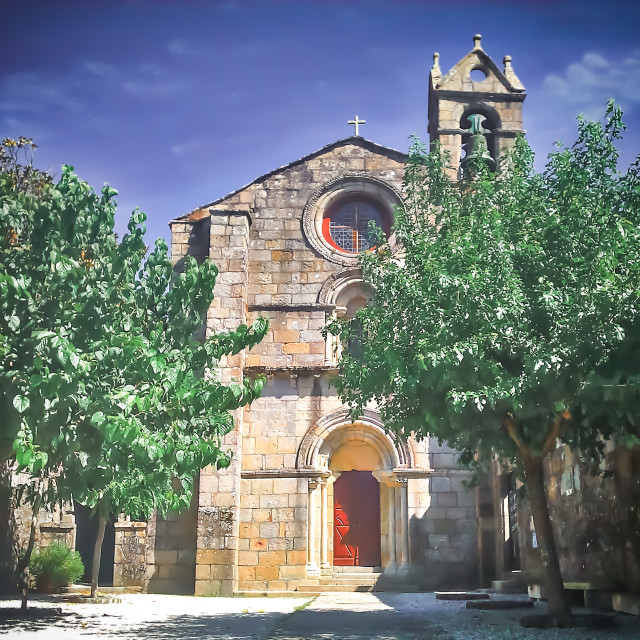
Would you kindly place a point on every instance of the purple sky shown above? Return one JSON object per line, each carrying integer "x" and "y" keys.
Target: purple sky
{"x": 177, "y": 103}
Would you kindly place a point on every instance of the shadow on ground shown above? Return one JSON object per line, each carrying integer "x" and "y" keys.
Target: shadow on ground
{"x": 233, "y": 626}
{"x": 43, "y": 618}
{"x": 107, "y": 621}
{"x": 342, "y": 624}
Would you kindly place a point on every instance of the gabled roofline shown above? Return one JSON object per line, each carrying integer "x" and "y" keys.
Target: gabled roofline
{"x": 486, "y": 59}
{"x": 507, "y": 77}
{"x": 400, "y": 156}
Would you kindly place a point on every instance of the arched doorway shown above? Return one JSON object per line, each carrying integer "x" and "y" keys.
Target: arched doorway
{"x": 357, "y": 502}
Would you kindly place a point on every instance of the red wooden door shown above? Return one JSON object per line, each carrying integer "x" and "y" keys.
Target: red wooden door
{"x": 356, "y": 522}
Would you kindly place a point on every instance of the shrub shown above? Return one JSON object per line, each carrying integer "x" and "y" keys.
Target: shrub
{"x": 55, "y": 566}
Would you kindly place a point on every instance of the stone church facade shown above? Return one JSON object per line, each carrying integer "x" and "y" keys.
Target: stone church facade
{"x": 312, "y": 497}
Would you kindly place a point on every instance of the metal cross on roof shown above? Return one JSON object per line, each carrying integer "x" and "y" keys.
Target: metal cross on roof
{"x": 357, "y": 122}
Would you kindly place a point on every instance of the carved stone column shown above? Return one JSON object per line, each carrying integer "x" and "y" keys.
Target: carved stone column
{"x": 392, "y": 565}
{"x": 403, "y": 517}
{"x": 312, "y": 565}
{"x": 325, "y": 567}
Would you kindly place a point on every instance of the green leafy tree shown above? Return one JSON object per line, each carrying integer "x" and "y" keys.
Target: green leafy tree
{"x": 504, "y": 317}
{"x": 108, "y": 392}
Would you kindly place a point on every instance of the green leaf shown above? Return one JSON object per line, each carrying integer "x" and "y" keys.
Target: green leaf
{"x": 74, "y": 359}
{"x": 111, "y": 430}
{"x": 130, "y": 435}
{"x": 21, "y": 403}
{"x": 24, "y": 456}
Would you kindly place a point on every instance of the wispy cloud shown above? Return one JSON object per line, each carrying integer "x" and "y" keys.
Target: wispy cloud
{"x": 183, "y": 47}
{"x": 589, "y": 83}
{"x": 99, "y": 69}
{"x": 153, "y": 81}
{"x": 188, "y": 146}
{"x": 33, "y": 92}
{"x": 88, "y": 95}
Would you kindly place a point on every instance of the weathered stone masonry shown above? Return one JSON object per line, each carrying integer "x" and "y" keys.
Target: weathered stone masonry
{"x": 267, "y": 522}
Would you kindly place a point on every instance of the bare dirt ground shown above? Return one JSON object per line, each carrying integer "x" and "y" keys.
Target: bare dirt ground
{"x": 333, "y": 616}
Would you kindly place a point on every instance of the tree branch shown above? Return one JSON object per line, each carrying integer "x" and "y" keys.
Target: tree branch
{"x": 554, "y": 432}
{"x": 510, "y": 424}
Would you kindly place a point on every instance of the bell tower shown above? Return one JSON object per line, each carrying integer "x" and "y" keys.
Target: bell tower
{"x": 475, "y": 99}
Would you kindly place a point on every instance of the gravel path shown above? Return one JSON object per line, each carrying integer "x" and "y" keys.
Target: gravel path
{"x": 332, "y": 616}
{"x": 419, "y": 616}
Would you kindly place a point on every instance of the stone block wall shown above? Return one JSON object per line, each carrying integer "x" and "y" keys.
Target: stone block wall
{"x": 218, "y": 500}
{"x": 273, "y": 533}
{"x": 190, "y": 238}
{"x": 443, "y": 523}
{"x": 57, "y": 526}
{"x": 291, "y": 403}
{"x": 130, "y": 554}
{"x": 283, "y": 269}
{"x": 62, "y": 532}
{"x": 217, "y": 550}
{"x": 172, "y": 564}
{"x": 273, "y": 536}
{"x": 596, "y": 520}
{"x": 294, "y": 340}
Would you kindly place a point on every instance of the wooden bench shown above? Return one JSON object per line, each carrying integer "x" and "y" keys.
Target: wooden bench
{"x": 593, "y": 595}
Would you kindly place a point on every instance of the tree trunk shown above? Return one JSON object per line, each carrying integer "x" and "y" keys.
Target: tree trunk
{"x": 8, "y": 547}
{"x": 25, "y": 558}
{"x": 97, "y": 550}
{"x": 557, "y": 599}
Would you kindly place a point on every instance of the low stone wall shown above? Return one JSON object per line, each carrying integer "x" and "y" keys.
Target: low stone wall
{"x": 130, "y": 555}
{"x": 63, "y": 533}
{"x": 215, "y": 559}
{"x": 595, "y": 518}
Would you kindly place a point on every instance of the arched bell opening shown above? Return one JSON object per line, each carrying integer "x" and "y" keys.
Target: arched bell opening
{"x": 479, "y": 124}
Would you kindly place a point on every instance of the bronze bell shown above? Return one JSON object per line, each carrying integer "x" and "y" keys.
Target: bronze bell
{"x": 477, "y": 149}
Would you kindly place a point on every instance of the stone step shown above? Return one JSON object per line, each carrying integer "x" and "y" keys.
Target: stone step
{"x": 276, "y": 594}
{"x": 461, "y": 595}
{"x": 351, "y": 579}
{"x": 353, "y": 588}
{"x": 329, "y": 588}
{"x": 513, "y": 585}
{"x": 347, "y": 569}
{"x": 369, "y": 583}
{"x": 354, "y": 576}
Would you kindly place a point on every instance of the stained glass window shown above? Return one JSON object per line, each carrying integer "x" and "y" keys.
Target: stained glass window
{"x": 348, "y": 225}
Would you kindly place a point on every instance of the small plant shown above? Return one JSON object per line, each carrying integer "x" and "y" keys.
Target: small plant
{"x": 302, "y": 607}
{"x": 54, "y": 567}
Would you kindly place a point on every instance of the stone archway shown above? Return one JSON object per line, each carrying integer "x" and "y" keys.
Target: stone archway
{"x": 335, "y": 427}
{"x": 336, "y": 445}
